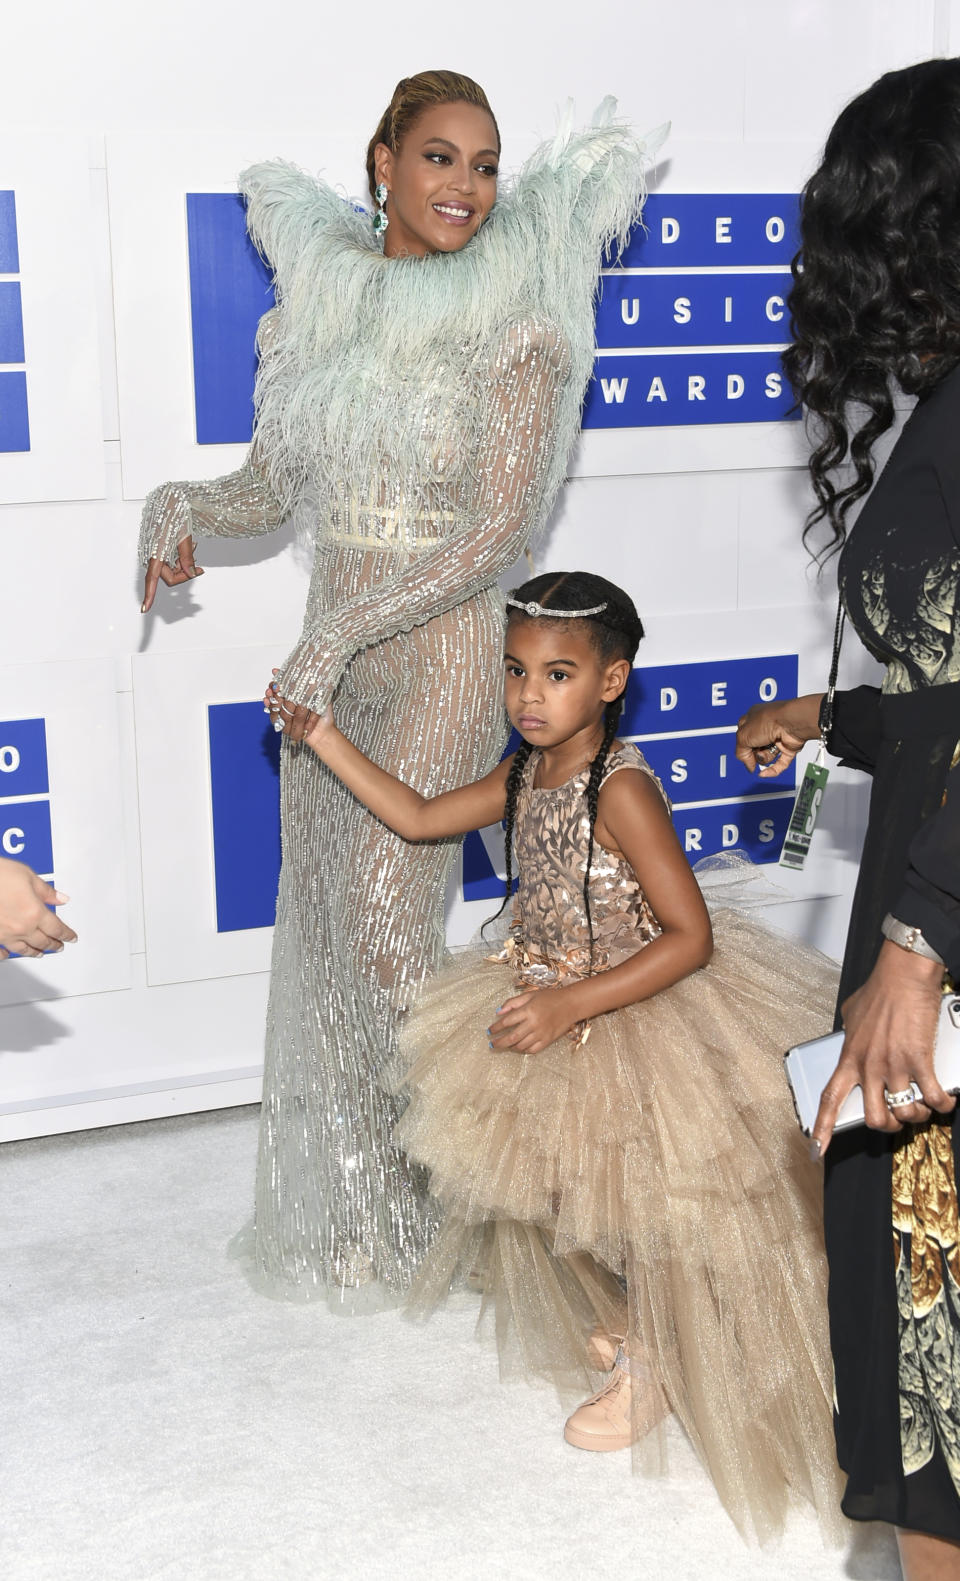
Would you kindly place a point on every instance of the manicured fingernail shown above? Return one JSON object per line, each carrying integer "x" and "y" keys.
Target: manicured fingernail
{"x": 277, "y": 726}
{"x": 143, "y": 607}
{"x": 61, "y": 900}
{"x": 816, "y": 1148}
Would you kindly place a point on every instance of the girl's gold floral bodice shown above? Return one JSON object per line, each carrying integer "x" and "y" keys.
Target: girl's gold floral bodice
{"x": 551, "y": 936}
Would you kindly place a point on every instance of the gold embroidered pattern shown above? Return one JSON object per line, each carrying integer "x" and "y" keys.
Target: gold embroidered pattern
{"x": 927, "y": 1257}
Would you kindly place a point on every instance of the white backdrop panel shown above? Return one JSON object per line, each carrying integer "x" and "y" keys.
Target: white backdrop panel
{"x": 49, "y": 173}
{"x": 78, "y": 705}
{"x": 171, "y": 695}
{"x": 683, "y": 167}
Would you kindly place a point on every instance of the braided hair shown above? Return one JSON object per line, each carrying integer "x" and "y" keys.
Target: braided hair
{"x": 615, "y": 633}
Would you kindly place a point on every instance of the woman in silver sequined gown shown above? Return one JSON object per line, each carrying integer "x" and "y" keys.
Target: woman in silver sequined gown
{"x": 421, "y": 409}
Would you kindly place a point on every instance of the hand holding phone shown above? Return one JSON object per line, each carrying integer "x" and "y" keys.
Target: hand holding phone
{"x": 810, "y": 1065}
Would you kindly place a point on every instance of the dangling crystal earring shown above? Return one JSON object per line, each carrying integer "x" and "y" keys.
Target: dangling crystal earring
{"x": 380, "y": 221}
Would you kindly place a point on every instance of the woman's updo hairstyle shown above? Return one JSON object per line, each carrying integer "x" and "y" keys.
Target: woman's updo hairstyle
{"x": 615, "y": 633}
{"x": 876, "y": 292}
{"x": 411, "y": 97}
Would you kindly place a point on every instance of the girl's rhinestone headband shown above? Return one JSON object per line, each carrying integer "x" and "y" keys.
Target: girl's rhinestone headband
{"x": 533, "y": 608}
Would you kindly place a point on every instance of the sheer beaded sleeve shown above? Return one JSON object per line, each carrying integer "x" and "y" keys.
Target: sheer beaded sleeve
{"x": 528, "y": 373}
{"x": 240, "y": 505}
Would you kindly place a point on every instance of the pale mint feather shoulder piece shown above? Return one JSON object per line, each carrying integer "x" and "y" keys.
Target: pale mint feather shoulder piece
{"x": 351, "y": 320}
{"x": 586, "y": 183}
{"x": 287, "y": 209}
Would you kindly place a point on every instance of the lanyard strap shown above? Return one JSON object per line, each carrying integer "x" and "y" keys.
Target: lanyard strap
{"x": 826, "y": 707}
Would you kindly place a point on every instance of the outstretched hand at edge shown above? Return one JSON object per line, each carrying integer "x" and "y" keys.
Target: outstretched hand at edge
{"x": 158, "y": 571}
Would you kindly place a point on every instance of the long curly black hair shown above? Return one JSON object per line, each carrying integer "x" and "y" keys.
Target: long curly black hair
{"x": 615, "y": 634}
{"x": 876, "y": 292}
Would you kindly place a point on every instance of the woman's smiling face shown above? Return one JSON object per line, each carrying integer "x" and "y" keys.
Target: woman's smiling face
{"x": 442, "y": 180}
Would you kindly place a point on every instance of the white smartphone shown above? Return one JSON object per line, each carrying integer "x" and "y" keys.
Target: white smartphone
{"x": 809, "y": 1067}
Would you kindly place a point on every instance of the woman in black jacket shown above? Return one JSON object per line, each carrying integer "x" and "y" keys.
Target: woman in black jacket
{"x": 876, "y": 301}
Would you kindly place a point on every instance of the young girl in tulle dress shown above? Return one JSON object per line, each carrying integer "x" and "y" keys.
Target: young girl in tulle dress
{"x": 601, "y": 1104}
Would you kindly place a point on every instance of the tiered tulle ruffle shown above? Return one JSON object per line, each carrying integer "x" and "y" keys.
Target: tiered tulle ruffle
{"x": 662, "y": 1155}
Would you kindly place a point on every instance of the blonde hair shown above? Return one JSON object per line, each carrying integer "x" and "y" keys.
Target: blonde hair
{"x": 411, "y": 97}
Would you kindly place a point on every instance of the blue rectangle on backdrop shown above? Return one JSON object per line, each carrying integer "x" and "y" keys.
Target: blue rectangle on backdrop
{"x": 660, "y": 390}
{"x": 692, "y": 310}
{"x": 483, "y": 869}
{"x": 25, "y": 834}
{"x": 755, "y": 826}
{"x": 672, "y": 698}
{"x": 23, "y": 758}
{"x": 704, "y": 768}
{"x": 700, "y": 229}
{"x": 9, "y": 250}
{"x": 230, "y": 290}
{"x": 14, "y": 422}
{"x": 245, "y": 795}
{"x": 11, "y": 322}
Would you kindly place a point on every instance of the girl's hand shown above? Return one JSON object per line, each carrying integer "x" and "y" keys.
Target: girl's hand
{"x": 158, "y": 571}
{"x": 891, "y": 1027}
{"x": 293, "y": 719}
{"x": 530, "y": 1022}
{"x": 321, "y": 731}
{"x": 777, "y": 731}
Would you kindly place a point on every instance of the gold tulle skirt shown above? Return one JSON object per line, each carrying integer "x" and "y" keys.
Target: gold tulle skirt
{"x": 653, "y": 1180}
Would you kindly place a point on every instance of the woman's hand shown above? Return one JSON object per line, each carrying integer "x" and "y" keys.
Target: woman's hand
{"x": 778, "y": 731}
{"x": 293, "y": 719}
{"x": 158, "y": 571}
{"x": 529, "y": 1022}
{"x": 891, "y": 1027}
{"x": 27, "y": 925}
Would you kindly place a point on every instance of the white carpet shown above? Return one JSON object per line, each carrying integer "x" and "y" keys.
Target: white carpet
{"x": 161, "y": 1420}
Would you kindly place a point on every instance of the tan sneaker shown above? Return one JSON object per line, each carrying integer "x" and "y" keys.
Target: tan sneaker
{"x": 606, "y": 1421}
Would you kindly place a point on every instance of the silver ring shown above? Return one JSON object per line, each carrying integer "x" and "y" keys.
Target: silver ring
{"x": 896, "y": 1100}
{"x": 285, "y": 710}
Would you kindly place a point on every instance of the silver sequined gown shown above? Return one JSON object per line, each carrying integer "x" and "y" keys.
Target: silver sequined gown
{"x": 419, "y": 412}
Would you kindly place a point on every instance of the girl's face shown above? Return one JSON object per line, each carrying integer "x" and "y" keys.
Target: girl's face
{"x": 555, "y": 684}
{"x": 442, "y": 180}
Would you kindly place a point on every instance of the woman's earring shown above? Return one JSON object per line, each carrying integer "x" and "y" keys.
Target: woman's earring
{"x": 380, "y": 221}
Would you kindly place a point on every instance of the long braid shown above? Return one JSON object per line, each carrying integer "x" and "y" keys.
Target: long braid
{"x": 514, "y": 779}
{"x": 611, "y": 717}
